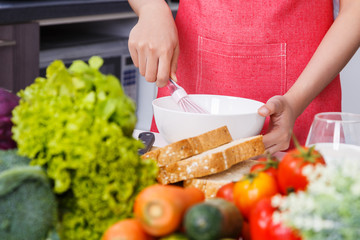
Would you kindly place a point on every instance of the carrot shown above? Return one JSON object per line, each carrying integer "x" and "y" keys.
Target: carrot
{"x": 160, "y": 208}
{"x": 127, "y": 229}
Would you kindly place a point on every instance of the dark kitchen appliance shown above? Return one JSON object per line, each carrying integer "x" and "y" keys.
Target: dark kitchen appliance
{"x": 73, "y": 44}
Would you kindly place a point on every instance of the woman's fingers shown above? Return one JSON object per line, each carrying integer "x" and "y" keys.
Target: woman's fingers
{"x": 167, "y": 67}
{"x": 154, "y": 63}
{"x": 273, "y": 105}
{"x": 133, "y": 54}
{"x": 151, "y": 69}
{"x": 276, "y": 140}
{"x": 174, "y": 61}
{"x": 163, "y": 71}
{"x": 281, "y": 123}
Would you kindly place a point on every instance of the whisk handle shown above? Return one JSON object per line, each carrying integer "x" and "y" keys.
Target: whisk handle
{"x": 179, "y": 94}
{"x": 172, "y": 86}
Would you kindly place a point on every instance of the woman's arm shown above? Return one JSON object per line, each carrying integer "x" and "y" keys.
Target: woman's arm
{"x": 153, "y": 41}
{"x": 335, "y": 50}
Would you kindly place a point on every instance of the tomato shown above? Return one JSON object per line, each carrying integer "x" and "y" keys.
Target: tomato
{"x": 252, "y": 188}
{"x": 261, "y": 219}
{"x": 226, "y": 192}
{"x": 280, "y": 232}
{"x": 126, "y": 229}
{"x": 262, "y": 226}
{"x": 266, "y": 164}
{"x": 290, "y": 176}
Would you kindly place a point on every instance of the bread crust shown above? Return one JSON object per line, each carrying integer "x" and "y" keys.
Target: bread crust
{"x": 212, "y": 161}
{"x": 189, "y": 147}
{"x": 209, "y": 185}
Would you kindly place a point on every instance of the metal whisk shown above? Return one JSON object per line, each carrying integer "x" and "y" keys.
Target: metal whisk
{"x": 182, "y": 99}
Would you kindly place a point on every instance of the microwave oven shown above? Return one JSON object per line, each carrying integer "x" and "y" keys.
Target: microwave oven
{"x": 113, "y": 50}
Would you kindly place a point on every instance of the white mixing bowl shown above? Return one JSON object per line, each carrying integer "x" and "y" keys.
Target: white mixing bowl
{"x": 238, "y": 114}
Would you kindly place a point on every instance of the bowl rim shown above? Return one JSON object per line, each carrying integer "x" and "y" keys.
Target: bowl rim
{"x": 206, "y": 114}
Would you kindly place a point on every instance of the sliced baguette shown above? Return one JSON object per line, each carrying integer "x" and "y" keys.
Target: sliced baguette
{"x": 212, "y": 161}
{"x": 189, "y": 147}
{"x": 209, "y": 185}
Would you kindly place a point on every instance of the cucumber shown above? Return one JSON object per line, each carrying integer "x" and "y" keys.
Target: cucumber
{"x": 212, "y": 220}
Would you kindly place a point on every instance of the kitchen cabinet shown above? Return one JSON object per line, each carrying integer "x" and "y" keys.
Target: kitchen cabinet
{"x": 19, "y": 51}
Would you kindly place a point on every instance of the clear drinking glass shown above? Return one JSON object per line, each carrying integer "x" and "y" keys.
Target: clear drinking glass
{"x": 336, "y": 135}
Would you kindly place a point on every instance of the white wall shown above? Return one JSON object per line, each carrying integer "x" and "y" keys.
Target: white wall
{"x": 350, "y": 83}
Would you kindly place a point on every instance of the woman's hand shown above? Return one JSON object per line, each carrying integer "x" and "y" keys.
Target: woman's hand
{"x": 282, "y": 120}
{"x": 154, "y": 44}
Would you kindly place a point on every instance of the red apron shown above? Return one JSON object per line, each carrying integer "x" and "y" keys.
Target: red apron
{"x": 254, "y": 49}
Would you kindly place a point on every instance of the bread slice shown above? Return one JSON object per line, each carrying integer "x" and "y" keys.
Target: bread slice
{"x": 189, "y": 147}
{"x": 212, "y": 161}
{"x": 209, "y": 185}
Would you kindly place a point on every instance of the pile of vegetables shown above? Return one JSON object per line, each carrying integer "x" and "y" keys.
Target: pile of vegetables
{"x": 330, "y": 206}
{"x": 77, "y": 125}
{"x": 241, "y": 210}
{"x": 8, "y": 101}
{"x": 169, "y": 212}
{"x": 299, "y": 197}
{"x": 77, "y": 175}
{"x": 253, "y": 194}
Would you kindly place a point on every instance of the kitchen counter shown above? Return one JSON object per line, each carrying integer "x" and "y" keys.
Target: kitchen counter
{"x": 28, "y": 10}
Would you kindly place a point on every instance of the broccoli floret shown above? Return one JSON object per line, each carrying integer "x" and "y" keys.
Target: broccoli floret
{"x": 10, "y": 159}
{"x": 28, "y": 209}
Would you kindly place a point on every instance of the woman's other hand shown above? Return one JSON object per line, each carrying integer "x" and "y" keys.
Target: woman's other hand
{"x": 153, "y": 41}
{"x": 281, "y": 124}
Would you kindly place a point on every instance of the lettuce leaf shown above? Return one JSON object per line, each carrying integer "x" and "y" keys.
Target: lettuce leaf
{"x": 77, "y": 124}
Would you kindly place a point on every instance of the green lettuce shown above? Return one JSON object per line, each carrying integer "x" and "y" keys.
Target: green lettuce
{"x": 77, "y": 123}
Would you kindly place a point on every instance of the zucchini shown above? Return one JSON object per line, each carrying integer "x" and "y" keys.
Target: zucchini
{"x": 175, "y": 236}
{"x": 212, "y": 220}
